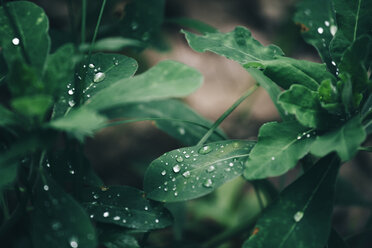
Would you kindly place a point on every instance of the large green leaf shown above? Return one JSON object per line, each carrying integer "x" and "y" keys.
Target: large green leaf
{"x": 183, "y": 130}
{"x": 191, "y": 172}
{"x": 279, "y": 147}
{"x": 32, "y": 25}
{"x": 240, "y": 46}
{"x": 79, "y": 123}
{"x": 344, "y": 140}
{"x": 318, "y": 27}
{"x": 57, "y": 220}
{"x": 166, "y": 79}
{"x": 305, "y": 105}
{"x": 301, "y": 218}
{"x": 125, "y": 206}
{"x": 354, "y": 19}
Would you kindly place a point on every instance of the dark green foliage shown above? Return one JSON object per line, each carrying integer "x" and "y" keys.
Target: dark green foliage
{"x": 50, "y": 195}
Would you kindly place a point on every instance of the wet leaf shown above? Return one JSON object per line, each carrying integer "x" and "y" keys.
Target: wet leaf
{"x": 279, "y": 147}
{"x": 191, "y": 172}
{"x": 305, "y": 204}
{"x": 125, "y": 206}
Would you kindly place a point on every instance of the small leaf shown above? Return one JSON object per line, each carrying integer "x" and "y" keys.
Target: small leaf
{"x": 32, "y": 106}
{"x": 191, "y": 172}
{"x": 33, "y": 25}
{"x": 305, "y": 105}
{"x": 344, "y": 140}
{"x": 317, "y": 22}
{"x": 113, "y": 44}
{"x": 59, "y": 218}
{"x": 329, "y": 98}
{"x": 196, "y": 25}
{"x": 125, "y": 206}
{"x": 279, "y": 147}
{"x": 166, "y": 79}
{"x": 187, "y": 133}
{"x": 79, "y": 123}
{"x": 305, "y": 204}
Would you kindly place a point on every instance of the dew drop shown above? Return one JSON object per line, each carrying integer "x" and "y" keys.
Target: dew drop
{"x": 95, "y": 196}
{"x": 176, "y": 168}
{"x": 307, "y": 12}
{"x": 231, "y": 164}
{"x": 46, "y": 187}
{"x": 181, "y": 130}
{"x": 272, "y": 158}
{"x": 298, "y": 216}
{"x": 99, "y": 77}
{"x": 91, "y": 66}
{"x": 333, "y": 29}
{"x": 74, "y": 243}
{"x": 163, "y": 172}
{"x": 299, "y": 137}
{"x": 333, "y": 63}
{"x": 175, "y": 194}
{"x": 205, "y": 150}
{"x": 211, "y": 168}
{"x": 134, "y": 25}
{"x": 91, "y": 216}
{"x": 15, "y": 41}
{"x": 186, "y": 174}
{"x": 156, "y": 221}
{"x": 72, "y": 172}
{"x": 179, "y": 159}
{"x": 308, "y": 135}
{"x": 208, "y": 183}
{"x": 106, "y": 214}
{"x": 124, "y": 221}
{"x": 146, "y": 208}
{"x": 326, "y": 23}
{"x": 71, "y": 103}
{"x": 187, "y": 155}
{"x": 116, "y": 218}
{"x": 320, "y": 30}
{"x": 227, "y": 169}
{"x": 71, "y": 92}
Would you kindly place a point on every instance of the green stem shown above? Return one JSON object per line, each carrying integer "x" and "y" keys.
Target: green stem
{"x": 73, "y": 31}
{"x": 83, "y": 20}
{"x": 227, "y": 113}
{"x": 96, "y": 30}
{"x": 163, "y": 119}
{"x": 365, "y": 148}
{"x": 4, "y": 205}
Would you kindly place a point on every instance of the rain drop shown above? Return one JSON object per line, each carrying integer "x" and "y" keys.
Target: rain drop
{"x": 46, "y": 187}
{"x": 95, "y": 196}
{"x": 179, "y": 159}
{"x": 124, "y": 221}
{"x": 91, "y": 66}
{"x": 176, "y": 168}
{"x": 72, "y": 172}
{"x": 71, "y": 103}
{"x": 116, "y": 218}
{"x": 211, "y": 168}
{"x": 74, "y": 243}
{"x": 186, "y": 174}
{"x": 320, "y": 30}
{"x": 205, "y": 150}
{"x": 326, "y": 23}
{"x": 106, "y": 214}
{"x": 156, "y": 221}
{"x": 333, "y": 29}
{"x": 181, "y": 130}
{"x": 208, "y": 183}
{"x": 163, "y": 172}
{"x": 308, "y": 135}
{"x": 99, "y": 77}
{"x": 272, "y": 158}
{"x": 146, "y": 208}
{"x": 298, "y": 216}
{"x": 333, "y": 63}
{"x": 71, "y": 92}
{"x": 231, "y": 164}
{"x": 175, "y": 194}
{"x": 15, "y": 41}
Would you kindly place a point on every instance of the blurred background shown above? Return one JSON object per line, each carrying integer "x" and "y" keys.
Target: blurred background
{"x": 121, "y": 154}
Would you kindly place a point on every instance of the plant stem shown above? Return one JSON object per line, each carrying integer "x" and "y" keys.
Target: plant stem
{"x": 227, "y": 113}
{"x": 4, "y": 205}
{"x": 96, "y": 30}
{"x": 83, "y": 20}
{"x": 258, "y": 195}
{"x": 365, "y": 148}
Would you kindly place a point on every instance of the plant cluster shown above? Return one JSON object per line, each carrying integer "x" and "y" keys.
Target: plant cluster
{"x": 54, "y": 96}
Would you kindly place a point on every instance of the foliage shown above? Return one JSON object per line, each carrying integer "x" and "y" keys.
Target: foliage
{"x": 62, "y": 91}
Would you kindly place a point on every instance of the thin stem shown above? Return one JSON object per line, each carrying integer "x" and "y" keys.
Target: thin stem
{"x": 83, "y": 20}
{"x": 227, "y": 113}
{"x": 162, "y": 119}
{"x": 73, "y": 31}
{"x": 365, "y": 148}
{"x": 4, "y": 205}
{"x": 96, "y": 30}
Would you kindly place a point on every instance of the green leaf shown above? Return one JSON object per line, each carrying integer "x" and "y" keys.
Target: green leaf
{"x": 59, "y": 69}
{"x": 32, "y": 106}
{"x": 345, "y": 87}
{"x": 197, "y": 25}
{"x": 8, "y": 174}
{"x": 317, "y": 22}
{"x": 305, "y": 105}
{"x": 117, "y": 238}
{"x": 114, "y": 67}
{"x": 336, "y": 241}
{"x": 8, "y": 118}
{"x": 305, "y": 204}
{"x": 329, "y": 97}
{"x": 344, "y": 140}
{"x": 354, "y": 19}
{"x": 353, "y": 62}
{"x": 59, "y": 218}
{"x": 191, "y": 172}
{"x": 32, "y": 25}
{"x": 113, "y": 44}
{"x": 185, "y": 132}
{"x": 125, "y": 206}
{"x": 79, "y": 123}
{"x": 240, "y": 46}
{"x": 166, "y": 79}
{"x": 279, "y": 147}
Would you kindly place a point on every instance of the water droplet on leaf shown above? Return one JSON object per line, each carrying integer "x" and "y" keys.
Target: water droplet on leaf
{"x": 205, "y": 150}
{"x": 186, "y": 174}
{"x": 298, "y": 216}
{"x": 320, "y": 30}
{"x": 211, "y": 168}
{"x": 176, "y": 168}
{"x": 179, "y": 159}
{"x": 15, "y": 41}
{"x": 99, "y": 77}
{"x": 208, "y": 183}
